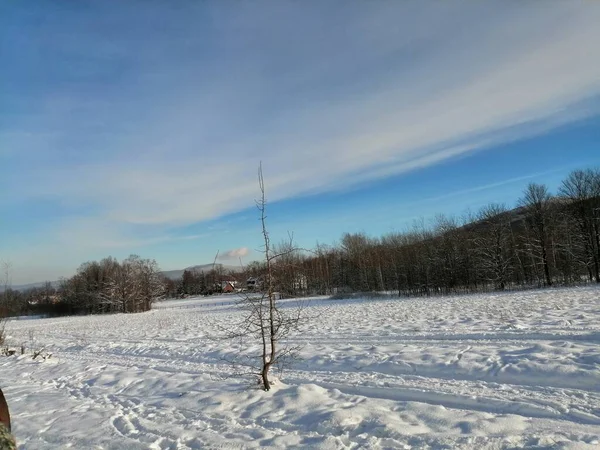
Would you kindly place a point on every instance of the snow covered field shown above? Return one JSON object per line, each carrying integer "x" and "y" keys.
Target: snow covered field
{"x": 518, "y": 370}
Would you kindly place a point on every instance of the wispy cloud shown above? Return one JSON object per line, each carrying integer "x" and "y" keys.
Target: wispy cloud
{"x": 165, "y": 129}
{"x": 486, "y": 187}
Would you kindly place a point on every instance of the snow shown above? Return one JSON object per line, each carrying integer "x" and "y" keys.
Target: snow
{"x": 512, "y": 370}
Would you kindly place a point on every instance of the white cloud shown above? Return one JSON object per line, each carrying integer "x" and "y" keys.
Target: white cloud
{"x": 236, "y": 253}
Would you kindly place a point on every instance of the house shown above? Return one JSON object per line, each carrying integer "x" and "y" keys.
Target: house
{"x": 253, "y": 283}
{"x": 228, "y": 286}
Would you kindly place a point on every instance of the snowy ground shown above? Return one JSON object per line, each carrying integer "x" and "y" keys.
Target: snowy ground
{"x": 517, "y": 370}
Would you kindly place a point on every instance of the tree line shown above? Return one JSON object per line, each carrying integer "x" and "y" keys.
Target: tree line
{"x": 106, "y": 286}
{"x": 545, "y": 240}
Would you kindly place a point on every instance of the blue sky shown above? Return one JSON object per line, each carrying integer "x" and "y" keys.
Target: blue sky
{"x": 138, "y": 127}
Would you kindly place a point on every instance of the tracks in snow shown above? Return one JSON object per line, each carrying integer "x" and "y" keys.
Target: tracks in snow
{"x": 450, "y": 389}
{"x": 529, "y": 401}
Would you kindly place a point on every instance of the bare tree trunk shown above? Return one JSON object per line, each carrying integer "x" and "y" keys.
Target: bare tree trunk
{"x": 267, "y": 359}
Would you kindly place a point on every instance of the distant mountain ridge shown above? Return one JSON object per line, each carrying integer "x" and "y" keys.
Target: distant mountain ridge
{"x": 176, "y": 274}
{"x": 24, "y": 287}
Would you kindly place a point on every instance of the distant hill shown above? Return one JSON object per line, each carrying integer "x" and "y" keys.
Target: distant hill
{"x": 24, "y": 287}
{"x": 176, "y": 274}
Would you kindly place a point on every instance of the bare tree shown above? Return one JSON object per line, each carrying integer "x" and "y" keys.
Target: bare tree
{"x": 6, "y": 291}
{"x": 108, "y": 287}
{"x": 264, "y": 318}
{"x": 492, "y": 244}
{"x": 5, "y": 304}
{"x": 581, "y": 190}
{"x": 537, "y": 201}
{"x": 149, "y": 286}
{"x": 2, "y": 330}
